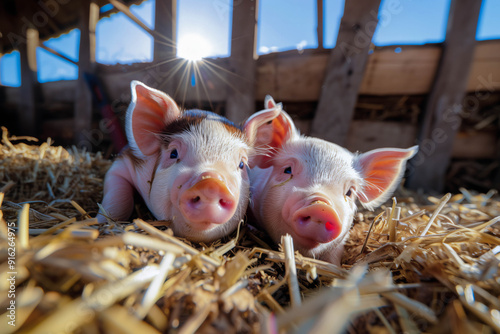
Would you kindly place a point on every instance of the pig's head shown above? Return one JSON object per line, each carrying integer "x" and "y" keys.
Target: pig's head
{"x": 308, "y": 187}
{"x": 191, "y": 165}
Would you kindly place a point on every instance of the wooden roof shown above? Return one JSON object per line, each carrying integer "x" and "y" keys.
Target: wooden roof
{"x": 50, "y": 17}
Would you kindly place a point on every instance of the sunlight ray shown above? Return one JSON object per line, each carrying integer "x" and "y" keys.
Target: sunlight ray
{"x": 223, "y": 79}
{"x": 197, "y": 69}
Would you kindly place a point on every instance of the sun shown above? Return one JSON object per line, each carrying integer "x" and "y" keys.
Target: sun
{"x": 193, "y": 47}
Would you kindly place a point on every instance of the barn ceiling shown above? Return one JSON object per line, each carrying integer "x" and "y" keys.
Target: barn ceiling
{"x": 50, "y": 17}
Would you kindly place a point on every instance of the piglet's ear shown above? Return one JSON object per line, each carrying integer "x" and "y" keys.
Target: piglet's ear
{"x": 382, "y": 170}
{"x": 269, "y": 102}
{"x": 271, "y": 136}
{"x": 254, "y": 123}
{"x": 149, "y": 112}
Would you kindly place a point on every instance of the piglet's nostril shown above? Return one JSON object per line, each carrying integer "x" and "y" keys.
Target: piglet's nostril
{"x": 304, "y": 219}
{"x": 330, "y": 226}
{"x": 225, "y": 203}
{"x": 195, "y": 199}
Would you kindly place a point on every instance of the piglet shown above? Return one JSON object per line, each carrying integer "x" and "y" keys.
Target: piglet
{"x": 190, "y": 167}
{"x": 308, "y": 187}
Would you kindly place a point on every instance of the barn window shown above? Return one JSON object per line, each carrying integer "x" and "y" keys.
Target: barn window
{"x": 286, "y": 25}
{"x": 489, "y": 24}
{"x": 203, "y": 28}
{"x": 54, "y": 68}
{"x": 10, "y": 69}
{"x": 411, "y": 22}
{"x": 120, "y": 40}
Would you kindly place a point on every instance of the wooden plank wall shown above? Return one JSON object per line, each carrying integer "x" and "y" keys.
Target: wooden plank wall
{"x": 293, "y": 77}
{"x": 290, "y": 76}
{"x": 332, "y": 77}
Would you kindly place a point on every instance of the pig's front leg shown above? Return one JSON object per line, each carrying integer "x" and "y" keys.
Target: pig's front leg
{"x": 118, "y": 193}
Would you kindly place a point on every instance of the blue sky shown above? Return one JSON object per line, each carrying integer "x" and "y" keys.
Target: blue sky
{"x": 119, "y": 40}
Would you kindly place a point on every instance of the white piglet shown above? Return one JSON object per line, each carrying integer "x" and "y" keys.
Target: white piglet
{"x": 190, "y": 167}
{"x": 308, "y": 187}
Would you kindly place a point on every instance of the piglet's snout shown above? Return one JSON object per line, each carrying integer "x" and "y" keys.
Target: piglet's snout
{"x": 208, "y": 201}
{"x": 317, "y": 222}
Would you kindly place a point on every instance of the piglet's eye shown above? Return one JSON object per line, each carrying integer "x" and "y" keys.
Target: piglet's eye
{"x": 349, "y": 192}
{"x": 241, "y": 165}
{"x": 288, "y": 170}
{"x": 174, "y": 154}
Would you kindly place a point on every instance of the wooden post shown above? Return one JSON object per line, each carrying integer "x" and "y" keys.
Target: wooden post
{"x": 496, "y": 179}
{"x": 3, "y": 18}
{"x": 28, "y": 97}
{"x": 165, "y": 45}
{"x": 345, "y": 71}
{"x": 320, "y": 27}
{"x": 441, "y": 118}
{"x": 86, "y": 63}
{"x": 165, "y": 26}
{"x": 241, "y": 100}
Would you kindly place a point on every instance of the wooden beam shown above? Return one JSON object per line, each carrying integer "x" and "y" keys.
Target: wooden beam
{"x": 56, "y": 53}
{"x": 496, "y": 178}
{"x": 165, "y": 29}
{"x": 441, "y": 119}
{"x": 89, "y": 10}
{"x": 2, "y": 31}
{"x": 241, "y": 97}
{"x": 345, "y": 71}
{"x": 32, "y": 41}
{"x": 28, "y": 97}
{"x": 410, "y": 71}
{"x": 93, "y": 20}
{"x": 367, "y": 135}
{"x": 125, "y": 10}
{"x": 290, "y": 76}
{"x": 320, "y": 26}
{"x": 164, "y": 45}
{"x": 473, "y": 145}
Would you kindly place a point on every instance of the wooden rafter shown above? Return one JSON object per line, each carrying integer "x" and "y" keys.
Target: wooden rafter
{"x": 125, "y": 10}
{"x": 441, "y": 119}
{"x": 56, "y": 53}
{"x": 345, "y": 71}
{"x": 241, "y": 98}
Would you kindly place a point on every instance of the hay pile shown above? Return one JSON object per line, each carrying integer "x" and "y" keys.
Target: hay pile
{"x": 407, "y": 268}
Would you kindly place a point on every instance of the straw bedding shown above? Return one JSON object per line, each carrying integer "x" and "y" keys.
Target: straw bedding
{"x": 415, "y": 265}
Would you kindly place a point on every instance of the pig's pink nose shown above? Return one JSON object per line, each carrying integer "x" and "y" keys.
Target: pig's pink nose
{"x": 208, "y": 202}
{"x": 317, "y": 223}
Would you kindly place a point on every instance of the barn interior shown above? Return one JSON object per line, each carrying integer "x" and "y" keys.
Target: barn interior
{"x": 444, "y": 97}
